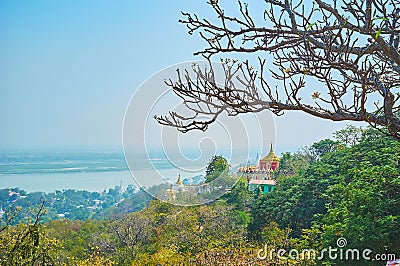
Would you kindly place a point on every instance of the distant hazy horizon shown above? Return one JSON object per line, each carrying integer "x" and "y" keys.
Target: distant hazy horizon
{"x": 51, "y": 170}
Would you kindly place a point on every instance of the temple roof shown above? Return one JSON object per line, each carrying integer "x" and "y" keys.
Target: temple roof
{"x": 262, "y": 182}
{"x": 271, "y": 156}
{"x": 248, "y": 169}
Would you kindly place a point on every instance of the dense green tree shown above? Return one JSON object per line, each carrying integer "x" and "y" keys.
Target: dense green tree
{"x": 349, "y": 136}
{"x": 364, "y": 207}
{"x": 239, "y": 196}
{"x": 218, "y": 165}
{"x": 4, "y": 196}
{"x": 292, "y": 163}
{"x": 322, "y": 147}
{"x": 351, "y": 192}
{"x": 295, "y": 201}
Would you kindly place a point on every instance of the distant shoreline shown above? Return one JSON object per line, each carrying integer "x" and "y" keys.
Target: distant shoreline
{"x": 89, "y": 181}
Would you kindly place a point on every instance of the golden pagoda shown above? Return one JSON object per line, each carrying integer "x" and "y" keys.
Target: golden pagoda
{"x": 271, "y": 156}
{"x": 260, "y": 176}
{"x": 270, "y": 162}
{"x": 179, "y": 181}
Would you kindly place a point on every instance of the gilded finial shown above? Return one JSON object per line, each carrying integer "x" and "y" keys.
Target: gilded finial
{"x": 179, "y": 181}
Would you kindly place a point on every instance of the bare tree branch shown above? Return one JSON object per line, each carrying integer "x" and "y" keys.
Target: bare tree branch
{"x": 338, "y": 61}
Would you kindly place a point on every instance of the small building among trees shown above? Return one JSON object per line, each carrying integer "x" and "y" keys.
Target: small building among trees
{"x": 259, "y": 176}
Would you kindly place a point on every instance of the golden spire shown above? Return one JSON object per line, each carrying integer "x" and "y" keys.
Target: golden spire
{"x": 271, "y": 156}
{"x": 179, "y": 181}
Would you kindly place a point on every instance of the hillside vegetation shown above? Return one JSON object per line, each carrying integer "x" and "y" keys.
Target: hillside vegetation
{"x": 347, "y": 187}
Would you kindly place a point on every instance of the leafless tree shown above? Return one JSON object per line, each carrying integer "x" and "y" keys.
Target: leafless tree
{"x": 338, "y": 60}
{"x": 130, "y": 232}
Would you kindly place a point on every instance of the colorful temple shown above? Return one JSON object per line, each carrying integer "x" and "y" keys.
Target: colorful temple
{"x": 260, "y": 176}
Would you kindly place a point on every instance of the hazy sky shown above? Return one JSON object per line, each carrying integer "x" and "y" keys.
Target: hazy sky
{"x": 69, "y": 68}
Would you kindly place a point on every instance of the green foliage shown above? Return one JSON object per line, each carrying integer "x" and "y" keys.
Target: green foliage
{"x": 323, "y": 147}
{"x": 345, "y": 188}
{"x": 27, "y": 244}
{"x": 291, "y": 164}
{"x": 365, "y": 206}
{"x": 295, "y": 201}
{"x": 349, "y": 136}
{"x": 76, "y": 236}
{"x": 95, "y": 258}
{"x": 73, "y": 204}
{"x": 350, "y": 192}
{"x": 239, "y": 197}
{"x": 216, "y": 167}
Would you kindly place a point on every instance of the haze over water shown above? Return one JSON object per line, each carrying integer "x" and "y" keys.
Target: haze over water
{"x": 92, "y": 171}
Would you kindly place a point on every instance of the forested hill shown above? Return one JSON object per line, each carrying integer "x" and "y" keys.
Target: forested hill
{"x": 342, "y": 188}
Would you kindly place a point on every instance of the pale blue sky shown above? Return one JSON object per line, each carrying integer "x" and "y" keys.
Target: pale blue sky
{"x": 69, "y": 68}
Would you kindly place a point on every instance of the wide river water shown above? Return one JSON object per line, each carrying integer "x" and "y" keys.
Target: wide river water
{"x": 92, "y": 171}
